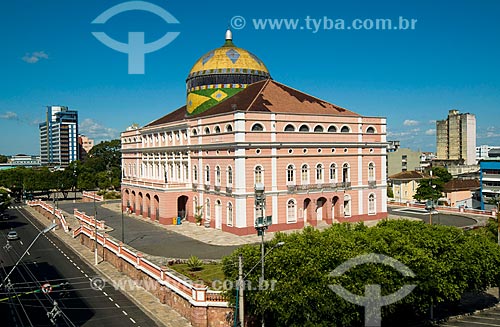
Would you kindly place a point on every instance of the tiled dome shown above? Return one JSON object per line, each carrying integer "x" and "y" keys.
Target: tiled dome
{"x": 220, "y": 74}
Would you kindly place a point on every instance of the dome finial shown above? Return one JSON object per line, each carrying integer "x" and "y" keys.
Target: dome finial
{"x": 229, "y": 35}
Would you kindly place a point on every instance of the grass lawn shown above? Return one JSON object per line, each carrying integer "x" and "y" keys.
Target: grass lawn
{"x": 208, "y": 274}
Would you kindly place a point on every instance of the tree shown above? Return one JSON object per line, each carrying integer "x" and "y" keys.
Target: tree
{"x": 429, "y": 189}
{"x": 4, "y": 199}
{"x": 446, "y": 262}
{"x": 442, "y": 173}
{"x": 3, "y": 159}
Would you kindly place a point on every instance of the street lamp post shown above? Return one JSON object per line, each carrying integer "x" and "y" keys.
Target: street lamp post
{"x": 76, "y": 181}
{"x": 95, "y": 231}
{"x": 47, "y": 229}
{"x": 261, "y": 225}
{"x": 240, "y": 286}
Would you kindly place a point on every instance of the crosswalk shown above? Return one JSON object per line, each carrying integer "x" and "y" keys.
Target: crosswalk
{"x": 17, "y": 206}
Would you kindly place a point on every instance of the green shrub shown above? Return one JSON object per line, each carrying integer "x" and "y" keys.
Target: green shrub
{"x": 194, "y": 263}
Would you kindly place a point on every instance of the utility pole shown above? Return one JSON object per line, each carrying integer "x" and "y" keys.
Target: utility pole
{"x": 123, "y": 231}
{"x": 241, "y": 289}
{"x": 95, "y": 232}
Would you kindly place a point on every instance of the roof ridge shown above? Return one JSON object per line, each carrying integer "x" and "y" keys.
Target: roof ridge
{"x": 260, "y": 91}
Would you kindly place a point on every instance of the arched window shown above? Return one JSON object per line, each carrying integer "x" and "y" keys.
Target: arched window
{"x": 332, "y": 129}
{"x": 207, "y": 130}
{"x": 345, "y": 173}
{"x": 207, "y": 209}
{"x": 333, "y": 173}
{"x": 370, "y": 130}
{"x": 304, "y": 128}
{"x": 207, "y": 174}
{"x": 290, "y": 174}
{"x": 318, "y": 129}
{"x": 289, "y": 128}
{"x": 195, "y": 173}
{"x": 291, "y": 211}
{"x": 371, "y": 171}
{"x": 319, "y": 173}
{"x": 345, "y": 129}
{"x": 217, "y": 176}
{"x": 258, "y": 175}
{"x": 229, "y": 128}
{"x": 229, "y": 175}
{"x": 230, "y": 214}
{"x": 347, "y": 205}
{"x": 217, "y": 129}
{"x": 257, "y": 127}
{"x": 371, "y": 204}
{"x": 304, "y": 174}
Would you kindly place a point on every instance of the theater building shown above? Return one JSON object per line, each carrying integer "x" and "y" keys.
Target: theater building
{"x": 317, "y": 162}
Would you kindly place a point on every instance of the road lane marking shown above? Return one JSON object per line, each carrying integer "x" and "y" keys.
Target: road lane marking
{"x": 105, "y": 294}
{"x": 111, "y": 299}
{"x": 86, "y": 275}
{"x": 21, "y": 242}
{"x": 117, "y": 305}
{"x": 132, "y": 320}
{"x": 125, "y": 313}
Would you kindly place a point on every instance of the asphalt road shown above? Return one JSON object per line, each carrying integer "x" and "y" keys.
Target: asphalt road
{"x": 441, "y": 218}
{"x": 489, "y": 317}
{"x": 50, "y": 261}
{"x": 149, "y": 238}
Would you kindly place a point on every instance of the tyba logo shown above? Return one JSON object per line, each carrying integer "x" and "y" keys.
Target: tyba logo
{"x": 372, "y": 300}
{"x": 135, "y": 48}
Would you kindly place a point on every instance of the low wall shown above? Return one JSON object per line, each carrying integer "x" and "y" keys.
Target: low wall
{"x": 91, "y": 196}
{"x": 201, "y": 306}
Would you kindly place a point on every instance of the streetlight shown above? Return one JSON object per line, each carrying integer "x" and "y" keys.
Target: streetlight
{"x": 95, "y": 231}
{"x": 261, "y": 224}
{"x": 47, "y": 229}
{"x": 76, "y": 180}
{"x": 240, "y": 286}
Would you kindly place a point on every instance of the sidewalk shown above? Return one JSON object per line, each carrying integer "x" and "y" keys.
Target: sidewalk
{"x": 162, "y": 314}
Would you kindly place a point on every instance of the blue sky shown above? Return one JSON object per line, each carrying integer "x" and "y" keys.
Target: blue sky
{"x": 412, "y": 77}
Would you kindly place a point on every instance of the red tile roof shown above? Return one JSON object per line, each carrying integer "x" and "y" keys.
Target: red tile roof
{"x": 268, "y": 96}
{"x": 461, "y": 185}
{"x": 408, "y": 175}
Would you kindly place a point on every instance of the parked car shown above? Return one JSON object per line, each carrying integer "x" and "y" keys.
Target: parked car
{"x": 12, "y": 235}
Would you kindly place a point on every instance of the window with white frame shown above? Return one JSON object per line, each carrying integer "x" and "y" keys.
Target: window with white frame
{"x": 291, "y": 211}
{"x": 207, "y": 174}
{"x": 371, "y": 204}
{"x": 319, "y": 173}
{"x": 290, "y": 174}
{"x": 345, "y": 173}
{"x": 332, "y": 174}
{"x": 258, "y": 175}
{"x": 304, "y": 174}
{"x": 371, "y": 171}
{"x": 229, "y": 176}
{"x": 217, "y": 176}
{"x": 347, "y": 205}
{"x": 195, "y": 173}
{"x": 230, "y": 214}
{"x": 207, "y": 209}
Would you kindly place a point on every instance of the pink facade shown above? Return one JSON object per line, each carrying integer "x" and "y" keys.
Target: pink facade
{"x": 214, "y": 162}
{"x": 319, "y": 163}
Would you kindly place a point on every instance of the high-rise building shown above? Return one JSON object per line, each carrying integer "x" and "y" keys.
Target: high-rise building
{"x": 456, "y": 138}
{"x": 59, "y": 137}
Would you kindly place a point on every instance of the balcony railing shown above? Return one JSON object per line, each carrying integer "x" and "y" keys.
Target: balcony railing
{"x": 207, "y": 187}
{"x": 372, "y": 184}
{"x": 322, "y": 186}
{"x": 217, "y": 188}
{"x": 229, "y": 190}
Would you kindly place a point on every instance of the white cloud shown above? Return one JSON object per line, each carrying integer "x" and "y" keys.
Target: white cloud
{"x": 432, "y": 121}
{"x": 430, "y": 131}
{"x": 9, "y": 115}
{"x": 34, "y": 57}
{"x": 409, "y": 122}
{"x": 96, "y": 131}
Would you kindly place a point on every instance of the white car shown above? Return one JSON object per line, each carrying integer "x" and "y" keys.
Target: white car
{"x": 12, "y": 235}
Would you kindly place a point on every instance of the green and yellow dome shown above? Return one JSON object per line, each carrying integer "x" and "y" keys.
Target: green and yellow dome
{"x": 220, "y": 74}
